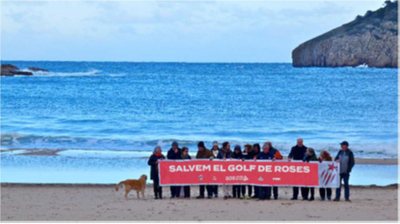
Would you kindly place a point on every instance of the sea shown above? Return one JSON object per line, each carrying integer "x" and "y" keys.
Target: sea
{"x": 100, "y": 116}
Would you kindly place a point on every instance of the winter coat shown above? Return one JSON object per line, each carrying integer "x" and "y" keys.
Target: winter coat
{"x": 276, "y": 153}
{"x": 265, "y": 156}
{"x": 237, "y": 155}
{"x": 351, "y": 159}
{"x": 188, "y": 156}
{"x": 249, "y": 156}
{"x": 308, "y": 158}
{"x": 172, "y": 155}
{"x": 215, "y": 152}
{"x": 204, "y": 154}
{"x": 222, "y": 154}
{"x": 297, "y": 153}
{"x": 153, "y": 166}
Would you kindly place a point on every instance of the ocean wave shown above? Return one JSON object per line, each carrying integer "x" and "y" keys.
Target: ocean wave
{"x": 18, "y": 140}
{"x": 64, "y": 74}
{"x": 91, "y": 73}
{"x": 362, "y": 66}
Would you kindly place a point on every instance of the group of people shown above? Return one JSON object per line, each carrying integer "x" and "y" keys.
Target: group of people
{"x": 253, "y": 152}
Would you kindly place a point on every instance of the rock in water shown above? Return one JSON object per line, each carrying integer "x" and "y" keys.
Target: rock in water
{"x": 22, "y": 73}
{"x": 11, "y": 70}
{"x": 8, "y": 70}
{"x": 37, "y": 69}
{"x": 370, "y": 39}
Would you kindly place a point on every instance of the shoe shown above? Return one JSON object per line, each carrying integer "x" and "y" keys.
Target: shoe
{"x": 242, "y": 197}
{"x": 311, "y": 199}
{"x": 216, "y": 195}
{"x": 329, "y": 198}
{"x": 276, "y": 198}
{"x": 225, "y": 197}
{"x": 293, "y": 199}
{"x": 305, "y": 199}
{"x": 322, "y": 199}
{"x": 249, "y": 197}
{"x": 255, "y": 196}
{"x": 336, "y": 199}
{"x": 200, "y": 197}
{"x": 209, "y": 197}
{"x": 156, "y": 197}
{"x": 348, "y": 200}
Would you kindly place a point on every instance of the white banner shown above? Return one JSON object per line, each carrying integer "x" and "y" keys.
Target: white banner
{"x": 328, "y": 174}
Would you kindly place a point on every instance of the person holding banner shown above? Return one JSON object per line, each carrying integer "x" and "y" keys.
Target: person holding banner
{"x": 325, "y": 156}
{"x": 238, "y": 190}
{"x": 298, "y": 152}
{"x": 153, "y": 163}
{"x": 173, "y": 154}
{"x": 215, "y": 150}
{"x": 186, "y": 189}
{"x": 204, "y": 153}
{"x": 277, "y": 155}
{"x": 248, "y": 154}
{"x": 256, "y": 148}
{"x": 310, "y": 156}
{"x": 265, "y": 191}
{"x": 225, "y": 153}
{"x": 346, "y": 159}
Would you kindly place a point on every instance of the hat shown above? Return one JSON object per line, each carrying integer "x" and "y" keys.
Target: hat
{"x": 201, "y": 144}
{"x": 215, "y": 143}
{"x": 175, "y": 143}
{"x": 344, "y": 143}
{"x": 237, "y": 147}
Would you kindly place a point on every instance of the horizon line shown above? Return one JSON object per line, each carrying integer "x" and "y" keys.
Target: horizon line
{"x": 153, "y": 62}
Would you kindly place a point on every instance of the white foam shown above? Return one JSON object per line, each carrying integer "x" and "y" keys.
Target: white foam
{"x": 363, "y": 66}
{"x": 93, "y": 72}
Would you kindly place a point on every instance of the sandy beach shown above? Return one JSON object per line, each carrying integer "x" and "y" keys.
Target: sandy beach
{"x": 46, "y": 202}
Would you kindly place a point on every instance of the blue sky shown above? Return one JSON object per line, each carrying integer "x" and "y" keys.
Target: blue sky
{"x": 168, "y": 31}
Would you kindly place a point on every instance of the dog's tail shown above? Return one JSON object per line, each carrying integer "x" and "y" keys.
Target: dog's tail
{"x": 119, "y": 184}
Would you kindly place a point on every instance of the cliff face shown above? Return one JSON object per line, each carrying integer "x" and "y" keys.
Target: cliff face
{"x": 371, "y": 40}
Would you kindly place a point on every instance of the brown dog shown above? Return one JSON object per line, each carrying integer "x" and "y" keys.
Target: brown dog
{"x": 137, "y": 185}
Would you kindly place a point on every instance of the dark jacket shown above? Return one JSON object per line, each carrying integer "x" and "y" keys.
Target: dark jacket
{"x": 265, "y": 156}
{"x": 222, "y": 154}
{"x": 152, "y": 163}
{"x": 188, "y": 157}
{"x": 205, "y": 154}
{"x": 172, "y": 155}
{"x": 250, "y": 155}
{"x": 310, "y": 158}
{"x": 237, "y": 155}
{"x": 351, "y": 158}
{"x": 255, "y": 153}
{"x": 297, "y": 153}
{"x": 212, "y": 150}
